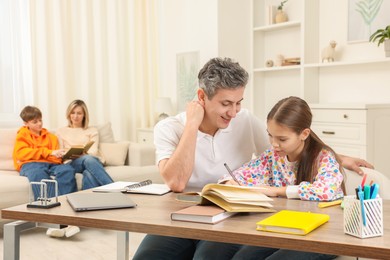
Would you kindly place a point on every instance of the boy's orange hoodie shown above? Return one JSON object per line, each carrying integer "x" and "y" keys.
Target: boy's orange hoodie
{"x": 33, "y": 148}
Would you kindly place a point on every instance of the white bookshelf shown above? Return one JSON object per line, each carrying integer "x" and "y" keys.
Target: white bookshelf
{"x": 299, "y": 37}
{"x": 290, "y": 39}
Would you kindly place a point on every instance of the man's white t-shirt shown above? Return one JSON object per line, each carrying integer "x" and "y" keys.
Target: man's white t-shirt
{"x": 235, "y": 145}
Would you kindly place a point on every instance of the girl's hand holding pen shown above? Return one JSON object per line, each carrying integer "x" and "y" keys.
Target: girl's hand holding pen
{"x": 231, "y": 174}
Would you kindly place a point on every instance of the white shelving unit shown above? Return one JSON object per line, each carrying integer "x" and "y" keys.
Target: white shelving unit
{"x": 351, "y": 129}
{"x": 297, "y": 37}
{"x": 348, "y": 63}
{"x": 312, "y": 80}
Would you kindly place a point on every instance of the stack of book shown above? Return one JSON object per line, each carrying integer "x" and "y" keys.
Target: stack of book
{"x": 217, "y": 202}
{"x": 291, "y": 61}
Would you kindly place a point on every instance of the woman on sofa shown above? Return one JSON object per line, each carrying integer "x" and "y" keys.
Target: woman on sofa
{"x": 78, "y": 132}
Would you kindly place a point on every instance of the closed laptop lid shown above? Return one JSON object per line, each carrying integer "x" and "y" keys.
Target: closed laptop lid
{"x": 96, "y": 201}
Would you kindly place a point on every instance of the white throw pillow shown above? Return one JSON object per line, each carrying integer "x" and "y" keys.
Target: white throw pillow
{"x": 114, "y": 153}
{"x": 105, "y": 133}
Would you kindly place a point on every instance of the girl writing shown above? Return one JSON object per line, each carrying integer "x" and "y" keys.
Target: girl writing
{"x": 299, "y": 164}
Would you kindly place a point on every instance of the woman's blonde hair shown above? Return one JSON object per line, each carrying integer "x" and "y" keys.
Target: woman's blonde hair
{"x": 73, "y": 105}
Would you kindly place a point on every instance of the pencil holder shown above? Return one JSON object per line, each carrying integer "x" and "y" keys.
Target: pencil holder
{"x": 354, "y": 217}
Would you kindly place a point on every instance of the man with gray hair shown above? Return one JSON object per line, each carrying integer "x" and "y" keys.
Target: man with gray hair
{"x": 193, "y": 146}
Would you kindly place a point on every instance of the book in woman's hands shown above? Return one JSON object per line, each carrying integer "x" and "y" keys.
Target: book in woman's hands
{"x": 203, "y": 214}
{"x": 231, "y": 198}
{"x": 77, "y": 150}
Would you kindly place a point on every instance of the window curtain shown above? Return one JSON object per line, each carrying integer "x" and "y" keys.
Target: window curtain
{"x": 104, "y": 52}
{"x": 15, "y": 61}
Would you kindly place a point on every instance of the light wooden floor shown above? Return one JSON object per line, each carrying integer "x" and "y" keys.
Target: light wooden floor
{"x": 94, "y": 244}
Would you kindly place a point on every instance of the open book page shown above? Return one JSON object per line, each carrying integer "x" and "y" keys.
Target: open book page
{"x": 255, "y": 202}
{"x": 233, "y": 207}
{"x": 237, "y": 193}
{"x": 231, "y": 198}
{"x": 120, "y": 186}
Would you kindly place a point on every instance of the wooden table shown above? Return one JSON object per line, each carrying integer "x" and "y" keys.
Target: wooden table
{"x": 152, "y": 216}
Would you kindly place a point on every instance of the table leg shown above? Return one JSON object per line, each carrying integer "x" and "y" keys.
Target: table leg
{"x": 11, "y": 241}
{"x": 122, "y": 245}
{"x": 12, "y": 238}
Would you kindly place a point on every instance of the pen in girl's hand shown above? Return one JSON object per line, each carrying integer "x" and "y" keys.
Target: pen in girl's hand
{"x": 231, "y": 173}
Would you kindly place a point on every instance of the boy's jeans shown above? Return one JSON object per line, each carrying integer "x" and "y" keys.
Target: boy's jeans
{"x": 64, "y": 174}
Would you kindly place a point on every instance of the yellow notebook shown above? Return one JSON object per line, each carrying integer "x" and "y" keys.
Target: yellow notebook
{"x": 292, "y": 222}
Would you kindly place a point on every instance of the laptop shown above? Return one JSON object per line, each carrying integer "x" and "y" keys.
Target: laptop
{"x": 98, "y": 201}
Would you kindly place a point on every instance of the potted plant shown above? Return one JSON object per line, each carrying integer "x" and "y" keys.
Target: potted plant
{"x": 280, "y": 7}
{"x": 281, "y": 16}
{"x": 382, "y": 36}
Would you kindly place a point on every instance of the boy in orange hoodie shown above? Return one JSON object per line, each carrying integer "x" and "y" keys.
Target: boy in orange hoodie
{"x": 37, "y": 155}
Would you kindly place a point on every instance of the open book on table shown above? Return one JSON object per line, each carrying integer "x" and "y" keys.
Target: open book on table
{"x": 231, "y": 198}
{"x": 143, "y": 187}
{"x": 77, "y": 150}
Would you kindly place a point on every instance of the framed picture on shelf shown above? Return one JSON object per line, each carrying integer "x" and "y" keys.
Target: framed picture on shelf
{"x": 187, "y": 68}
{"x": 365, "y": 17}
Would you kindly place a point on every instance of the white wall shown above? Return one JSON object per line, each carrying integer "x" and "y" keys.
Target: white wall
{"x": 186, "y": 26}
{"x": 234, "y": 33}
{"x": 203, "y": 25}
{"x": 357, "y": 83}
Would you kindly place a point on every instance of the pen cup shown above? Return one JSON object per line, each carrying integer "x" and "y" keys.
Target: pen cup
{"x": 353, "y": 217}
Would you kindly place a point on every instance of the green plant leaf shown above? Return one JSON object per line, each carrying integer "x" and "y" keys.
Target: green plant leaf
{"x": 380, "y": 35}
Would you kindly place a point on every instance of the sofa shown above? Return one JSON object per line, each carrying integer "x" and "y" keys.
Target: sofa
{"x": 125, "y": 161}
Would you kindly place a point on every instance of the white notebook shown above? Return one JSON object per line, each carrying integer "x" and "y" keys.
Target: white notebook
{"x": 145, "y": 187}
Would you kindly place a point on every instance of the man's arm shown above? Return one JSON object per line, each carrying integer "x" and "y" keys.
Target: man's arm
{"x": 177, "y": 170}
{"x": 353, "y": 164}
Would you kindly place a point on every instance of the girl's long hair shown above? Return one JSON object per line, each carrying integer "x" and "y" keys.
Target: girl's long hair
{"x": 295, "y": 113}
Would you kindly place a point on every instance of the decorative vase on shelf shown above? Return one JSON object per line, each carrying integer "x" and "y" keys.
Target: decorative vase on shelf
{"x": 279, "y": 60}
{"x": 281, "y": 17}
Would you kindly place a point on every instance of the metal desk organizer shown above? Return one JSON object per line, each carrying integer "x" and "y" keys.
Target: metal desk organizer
{"x": 43, "y": 201}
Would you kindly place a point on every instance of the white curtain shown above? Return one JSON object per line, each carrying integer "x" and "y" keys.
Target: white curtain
{"x": 15, "y": 61}
{"x": 104, "y": 52}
